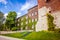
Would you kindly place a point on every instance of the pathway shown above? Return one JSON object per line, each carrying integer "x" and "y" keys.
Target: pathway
{"x": 8, "y": 38}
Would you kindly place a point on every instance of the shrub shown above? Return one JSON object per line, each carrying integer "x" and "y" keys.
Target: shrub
{"x": 57, "y": 30}
{"x": 14, "y": 29}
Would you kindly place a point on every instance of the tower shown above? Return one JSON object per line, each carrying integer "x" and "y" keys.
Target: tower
{"x": 44, "y": 6}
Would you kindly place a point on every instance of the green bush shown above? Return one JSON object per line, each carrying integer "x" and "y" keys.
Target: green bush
{"x": 57, "y": 30}
{"x": 14, "y": 29}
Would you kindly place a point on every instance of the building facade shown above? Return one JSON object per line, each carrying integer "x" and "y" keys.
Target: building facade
{"x": 29, "y": 20}
{"x": 33, "y": 16}
{"x": 22, "y": 22}
{"x": 44, "y": 7}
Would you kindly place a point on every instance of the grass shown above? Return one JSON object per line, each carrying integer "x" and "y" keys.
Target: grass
{"x": 43, "y": 36}
{"x": 36, "y": 35}
{"x": 16, "y": 35}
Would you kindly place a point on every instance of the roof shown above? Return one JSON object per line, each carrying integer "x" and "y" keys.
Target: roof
{"x": 33, "y": 7}
{"x": 21, "y": 16}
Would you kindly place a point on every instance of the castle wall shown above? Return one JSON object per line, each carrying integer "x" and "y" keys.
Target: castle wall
{"x": 42, "y": 22}
{"x": 43, "y": 6}
{"x": 56, "y": 16}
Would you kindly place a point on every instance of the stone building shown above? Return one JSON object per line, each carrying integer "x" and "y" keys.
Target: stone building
{"x": 44, "y": 7}
{"x": 22, "y": 22}
{"x": 29, "y": 20}
{"x": 33, "y": 15}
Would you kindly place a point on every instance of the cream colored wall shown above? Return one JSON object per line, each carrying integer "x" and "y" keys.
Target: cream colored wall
{"x": 42, "y": 19}
{"x": 56, "y": 16}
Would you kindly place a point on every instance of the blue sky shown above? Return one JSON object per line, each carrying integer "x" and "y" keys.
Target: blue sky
{"x": 20, "y": 6}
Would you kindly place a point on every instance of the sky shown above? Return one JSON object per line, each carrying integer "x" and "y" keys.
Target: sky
{"x": 19, "y": 6}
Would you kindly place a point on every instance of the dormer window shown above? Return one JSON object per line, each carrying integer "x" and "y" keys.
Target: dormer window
{"x": 47, "y": 1}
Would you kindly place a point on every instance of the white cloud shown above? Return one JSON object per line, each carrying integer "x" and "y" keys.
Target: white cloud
{"x": 3, "y": 1}
{"x": 5, "y": 15}
{"x": 18, "y": 15}
{"x": 25, "y": 6}
{"x": 28, "y": 5}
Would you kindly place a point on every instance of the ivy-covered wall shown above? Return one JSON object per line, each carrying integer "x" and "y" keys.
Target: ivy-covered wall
{"x": 29, "y": 24}
{"x": 50, "y": 19}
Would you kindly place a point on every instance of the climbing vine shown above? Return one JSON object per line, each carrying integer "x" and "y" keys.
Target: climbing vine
{"x": 50, "y": 19}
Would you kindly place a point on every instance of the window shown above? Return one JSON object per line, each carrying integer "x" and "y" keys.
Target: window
{"x": 32, "y": 26}
{"x": 21, "y": 18}
{"x": 36, "y": 19}
{"x": 21, "y": 23}
{"x": 35, "y": 13}
{"x": 32, "y": 20}
{"x": 29, "y": 21}
{"x": 18, "y": 19}
{"x": 32, "y": 14}
{"x": 26, "y": 22}
{"x": 26, "y": 17}
{"x": 18, "y": 24}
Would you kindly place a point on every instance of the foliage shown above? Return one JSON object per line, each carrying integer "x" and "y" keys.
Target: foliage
{"x": 17, "y": 34}
{"x": 1, "y": 20}
{"x": 57, "y": 30}
{"x": 14, "y": 29}
{"x": 24, "y": 22}
{"x": 43, "y": 36}
{"x": 50, "y": 20}
{"x": 10, "y": 20}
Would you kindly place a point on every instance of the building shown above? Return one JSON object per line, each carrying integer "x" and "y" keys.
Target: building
{"x": 33, "y": 15}
{"x": 44, "y": 7}
{"x": 22, "y": 22}
{"x": 29, "y": 20}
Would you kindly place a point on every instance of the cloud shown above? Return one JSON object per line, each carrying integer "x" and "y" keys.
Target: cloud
{"x": 5, "y": 15}
{"x": 3, "y": 1}
{"x": 18, "y": 15}
{"x": 25, "y": 6}
{"x": 28, "y": 4}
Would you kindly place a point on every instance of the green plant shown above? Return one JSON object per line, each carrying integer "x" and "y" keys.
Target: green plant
{"x": 14, "y": 29}
{"x": 57, "y": 30}
{"x": 50, "y": 19}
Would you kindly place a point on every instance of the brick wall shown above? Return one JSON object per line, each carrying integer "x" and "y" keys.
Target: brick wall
{"x": 32, "y": 12}
{"x": 54, "y": 4}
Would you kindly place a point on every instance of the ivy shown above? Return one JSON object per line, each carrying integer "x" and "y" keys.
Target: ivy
{"x": 50, "y": 19}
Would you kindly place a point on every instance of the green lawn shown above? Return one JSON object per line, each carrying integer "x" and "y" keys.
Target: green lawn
{"x": 43, "y": 36}
{"x": 36, "y": 35}
{"x": 17, "y": 35}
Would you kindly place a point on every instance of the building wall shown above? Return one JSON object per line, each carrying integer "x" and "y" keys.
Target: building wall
{"x": 56, "y": 16}
{"x": 33, "y": 16}
{"x": 29, "y": 20}
{"x": 45, "y": 7}
{"x": 42, "y": 22}
{"x": 22, "y": 22}
{"x": 53, "y": 4}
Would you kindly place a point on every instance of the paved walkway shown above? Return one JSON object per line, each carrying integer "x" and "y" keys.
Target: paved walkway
{"x": 7, "y": 32}
{"x": 8, "y": 38}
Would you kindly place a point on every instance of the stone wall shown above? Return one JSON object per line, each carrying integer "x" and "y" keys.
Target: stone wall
{"x": 45, "y": 7}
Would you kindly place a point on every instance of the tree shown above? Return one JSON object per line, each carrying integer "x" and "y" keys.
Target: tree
{"x": 1, "y": 19}
{"x": 10, "y": 20}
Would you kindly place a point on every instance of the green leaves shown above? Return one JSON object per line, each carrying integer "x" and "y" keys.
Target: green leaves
{"x": 11, "y": 19}
{"x": 50, "y": 20}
